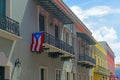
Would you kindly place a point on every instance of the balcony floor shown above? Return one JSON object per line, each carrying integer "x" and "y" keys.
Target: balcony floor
{"x": 9, "y": 35}
{"x": 55, "y": 49}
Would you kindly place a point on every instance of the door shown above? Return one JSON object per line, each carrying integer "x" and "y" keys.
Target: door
{"x": 41, "y": 23}
{"x": 1, "y": 73}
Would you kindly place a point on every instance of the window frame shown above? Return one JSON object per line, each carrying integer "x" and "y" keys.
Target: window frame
{"x": 59, "y": 74}
{"x": 67, "y": 75}
{"x": 46, "y": 69}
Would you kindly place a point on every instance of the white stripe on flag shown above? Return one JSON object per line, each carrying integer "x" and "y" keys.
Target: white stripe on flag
{"x": 39, "y": 42}
{"x": 33, "y": 47}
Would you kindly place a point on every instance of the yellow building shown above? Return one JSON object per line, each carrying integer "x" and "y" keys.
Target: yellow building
{"x": 100, "y": 72}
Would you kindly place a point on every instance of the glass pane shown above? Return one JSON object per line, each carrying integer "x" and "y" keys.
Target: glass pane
{"x": 2, "y": 7}
{"x": 41, "y": 23}
{"x": 1, "y": 73}
{"x": 73, "y": 76}
{"x": 42, "y": 74}
{"x": 58, "y": 74}
{"x": 56, "y": 32}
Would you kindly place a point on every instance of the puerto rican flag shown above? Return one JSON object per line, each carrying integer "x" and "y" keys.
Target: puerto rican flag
{"x": 37, "y": 41}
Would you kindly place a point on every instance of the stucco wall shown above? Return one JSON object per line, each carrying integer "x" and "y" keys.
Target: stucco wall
{"x": 5, "y": 46}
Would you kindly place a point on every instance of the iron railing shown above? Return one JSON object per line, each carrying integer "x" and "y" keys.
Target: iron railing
{"x": 102, "y": 70}
{"x": 49, "y": 39}
{"x": 9, "y": 25}
{"x": 87, "y": 58}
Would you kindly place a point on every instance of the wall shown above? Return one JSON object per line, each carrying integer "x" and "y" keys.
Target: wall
{"x": 5, "y": 46}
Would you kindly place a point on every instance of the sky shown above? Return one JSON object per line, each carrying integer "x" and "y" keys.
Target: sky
{"x": 102, "y": 18}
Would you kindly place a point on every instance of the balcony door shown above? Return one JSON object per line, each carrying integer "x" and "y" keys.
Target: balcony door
{"x": 3, "y": 7}
{"x": 41, "y": 23}
{"x": 56, "y": 32}
{"x": 2, "y": 73}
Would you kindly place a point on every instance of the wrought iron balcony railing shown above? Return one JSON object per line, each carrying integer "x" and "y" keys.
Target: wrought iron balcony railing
{"x": 51, "y": 40}
{"x": 87, "y": 58}
{"x": 9, "y": 25}
{"x": 102, "y": 70}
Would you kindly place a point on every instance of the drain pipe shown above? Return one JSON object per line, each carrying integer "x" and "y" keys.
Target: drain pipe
{"x": 9, "y": 58}
{"x": 11, "y": 51}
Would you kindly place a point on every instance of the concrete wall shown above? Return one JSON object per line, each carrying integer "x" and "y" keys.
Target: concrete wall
{"x": 5, "y": 53}
{"x": 5, "y": 46}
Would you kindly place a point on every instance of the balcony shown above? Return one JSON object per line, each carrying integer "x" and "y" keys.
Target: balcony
{"x": 57, "y": 46}
{"x": 102, "y": 70}
{"x": 86, "y": 61}
{"x": 53, "y": 8}
{"x": 9, "y": 28}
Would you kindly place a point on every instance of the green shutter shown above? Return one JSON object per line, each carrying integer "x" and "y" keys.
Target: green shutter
{"x": 3, "y": 7}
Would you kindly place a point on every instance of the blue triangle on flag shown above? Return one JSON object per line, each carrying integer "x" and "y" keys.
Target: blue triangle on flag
{"x": 37, "y": 35}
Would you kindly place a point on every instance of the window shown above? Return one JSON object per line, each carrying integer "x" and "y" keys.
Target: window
{"x": 82, "y": 47}
{"x": 3, "y": 7}
{"x": 99, "y": 62}
{"x": 56, "y": 32}
{"x": 80, "y": 77}
{"x": 74, "y": 76}
{"x": 68, "y": 76}
{"x": 84, "y": 78}
{"x": 58, "y": 75}
{"x": 41, "y": 23}
{"x": 67, "y": 38}
{"x": 2, "y": 73}
{"x": 43, "y": 73}
{"x": 87, "y": 77}
{"x": 73, "y": 42}
{"x": 91, "y": 78}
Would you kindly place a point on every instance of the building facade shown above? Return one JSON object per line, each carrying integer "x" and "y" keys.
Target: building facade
{"x": 100, "y": 72}
{"x": 9, "y": 35}
{"x": 110, "y": 60}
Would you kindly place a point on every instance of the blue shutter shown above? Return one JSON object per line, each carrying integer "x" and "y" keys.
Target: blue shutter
{"x": 3, "y": 7}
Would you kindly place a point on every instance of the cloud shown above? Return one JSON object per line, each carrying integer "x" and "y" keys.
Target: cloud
{"x": 105, "y": 33}
{"x": 79, "y": 12}
{"x": 115, "y": 11}
{"x": 97, "y": 11}
{"x": 117, "y": 60}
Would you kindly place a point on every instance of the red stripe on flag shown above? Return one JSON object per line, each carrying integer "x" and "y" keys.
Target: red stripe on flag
{"x": 32, "y": 42}
{"x": 42, "y": 41}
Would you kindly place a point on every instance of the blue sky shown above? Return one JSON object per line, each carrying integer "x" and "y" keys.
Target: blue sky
{"x": 102, "y": 17}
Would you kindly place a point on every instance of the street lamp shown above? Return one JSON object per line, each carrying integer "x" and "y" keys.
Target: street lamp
{"x": 17, "y": 63}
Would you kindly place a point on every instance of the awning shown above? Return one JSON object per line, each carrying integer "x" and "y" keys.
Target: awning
{"x": 51, "y": 7}
{"x": 85, "y": 37}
